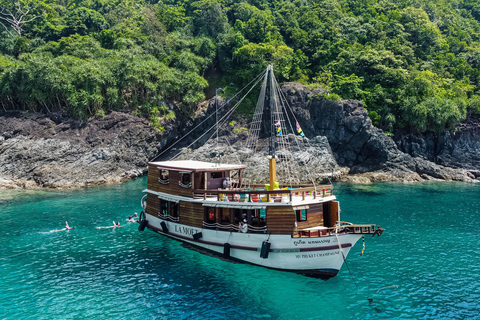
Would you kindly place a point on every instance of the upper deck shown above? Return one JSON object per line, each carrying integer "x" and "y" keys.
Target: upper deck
{"x": 203, "y": 181}
{"x": 196, "y": 166}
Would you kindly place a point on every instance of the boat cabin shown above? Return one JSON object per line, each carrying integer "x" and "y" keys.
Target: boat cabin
{"x": 183, "y": 177}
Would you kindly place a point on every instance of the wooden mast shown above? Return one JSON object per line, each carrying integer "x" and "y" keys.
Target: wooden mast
{"x": 272, "y": 162}
{"x": 272, "y": 171}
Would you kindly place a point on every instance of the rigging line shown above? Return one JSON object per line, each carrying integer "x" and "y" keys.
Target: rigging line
{"x": 288, "y": 154}
{"x": 281, "y": 138}
{"x": 288, "y": 151}
{"x": 258, "y": 115}
{"x": 394, "y": 286}
{"x": 176, "y": 142}
{"x": 291, "y": 109}
{"x": 305, "y": 141}
{"x": 219, "y": 126}
{"x": 260, "y": 112}
{"x": 344, "y": 258}
{"x": 285, "y": 102}
{"x": 231, "y": 147}
{"x": 289, "y": 159}
{"x": 281, "y": 131}
{"x": 285, "y": 115}
{"x": 291, "y": 128}
{"x": 257, "y": 119}
{"x": 222, "y": 120}
{"x": 252, "y": 141}
{"x": 370, "y": 300}
{"x": 225, "y": 118}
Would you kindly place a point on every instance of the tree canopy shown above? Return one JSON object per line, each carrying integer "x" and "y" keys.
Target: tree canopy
{"x": 414, "y": 64}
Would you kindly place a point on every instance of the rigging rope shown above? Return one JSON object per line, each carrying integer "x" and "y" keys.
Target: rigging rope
{"x": 283, "y": 102}
{"x": 304, "y": 140}
{"x": 176, "y": 142}
{"x": 222, "y": 121}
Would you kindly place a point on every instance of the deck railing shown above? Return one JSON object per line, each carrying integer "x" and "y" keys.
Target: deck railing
{"x": 163, "y": 181}
{"x": 261, "y": 195}
{"x": 167, "y": 217}
{"x": 342, "y": 227}
{"x": 234, "y": 227}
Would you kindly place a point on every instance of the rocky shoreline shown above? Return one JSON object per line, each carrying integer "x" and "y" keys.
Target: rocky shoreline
{"x": 53, "y": 151}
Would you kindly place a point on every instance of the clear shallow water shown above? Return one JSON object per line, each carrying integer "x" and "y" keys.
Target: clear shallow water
{"x": 430, "y": 250}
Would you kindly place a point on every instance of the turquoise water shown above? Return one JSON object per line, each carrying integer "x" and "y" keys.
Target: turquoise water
{"x": 425, "y": 266}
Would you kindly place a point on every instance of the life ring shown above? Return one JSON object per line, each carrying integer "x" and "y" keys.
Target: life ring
{"x": 143, "y": 203}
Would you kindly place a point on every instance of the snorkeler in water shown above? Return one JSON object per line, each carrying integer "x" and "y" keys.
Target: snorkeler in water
{"x": 115, "y": 225}
{"x": 67, "y": 227}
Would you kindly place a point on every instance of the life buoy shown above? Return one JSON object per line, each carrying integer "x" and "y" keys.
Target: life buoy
{"x": 143, "y": 203}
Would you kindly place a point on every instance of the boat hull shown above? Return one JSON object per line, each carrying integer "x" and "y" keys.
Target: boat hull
{"x": 319, "y": 257}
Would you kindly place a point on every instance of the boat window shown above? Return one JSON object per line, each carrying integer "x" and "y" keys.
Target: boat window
{"x": 216, "y": 175}
{"x": 164, "y": 207}
{"x": 225, "y": 215}
{"x": 164, "y": 174}
{"x": 210, "y": 215}
{"x": 301, "y": 215}
{"x": 174, "y": 209}
{"x": 186, "y": 178}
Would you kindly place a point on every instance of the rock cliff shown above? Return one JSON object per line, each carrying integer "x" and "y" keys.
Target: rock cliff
{"x": 365, "y": 150}
{"x": 50, "y": 151}
{"x": 460, "y": 149}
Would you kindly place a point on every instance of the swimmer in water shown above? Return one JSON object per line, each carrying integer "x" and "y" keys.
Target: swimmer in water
{"x": 130, "y": 219}
{"x": 115, "y": 225}
{"x": 67, "y": 227}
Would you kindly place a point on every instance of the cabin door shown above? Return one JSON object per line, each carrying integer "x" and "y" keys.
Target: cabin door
{"x": 200, "y": 180}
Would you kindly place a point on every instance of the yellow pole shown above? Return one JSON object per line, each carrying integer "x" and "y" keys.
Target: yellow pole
{"x": 272, "y": 171}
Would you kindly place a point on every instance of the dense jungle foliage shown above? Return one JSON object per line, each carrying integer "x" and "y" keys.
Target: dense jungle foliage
{"x": 415, "y": 64}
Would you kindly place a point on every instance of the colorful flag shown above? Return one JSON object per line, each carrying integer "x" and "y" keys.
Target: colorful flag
{"x": 363, "y": 249}
{"x": 299, "y": 130}
{"x": 279, "y": 131}
{"x": 277, "y": 123}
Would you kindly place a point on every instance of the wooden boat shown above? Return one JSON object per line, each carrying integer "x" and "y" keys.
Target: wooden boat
{"x": 293, "y": 228}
